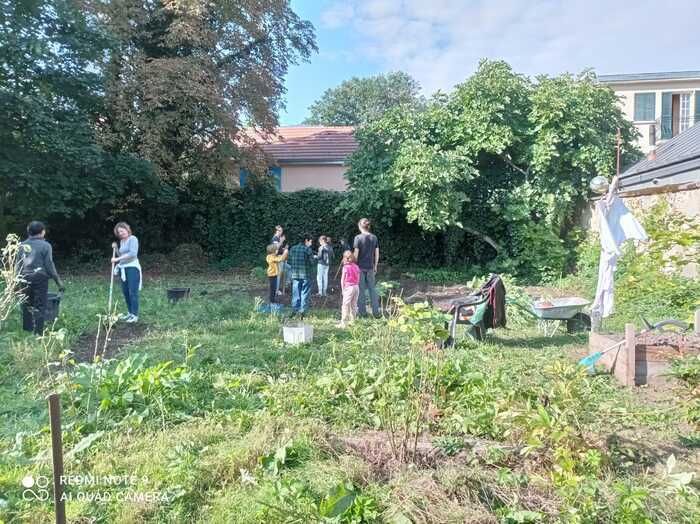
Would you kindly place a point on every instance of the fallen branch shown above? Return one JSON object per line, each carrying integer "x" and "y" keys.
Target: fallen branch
{"x": 490, "y": 241}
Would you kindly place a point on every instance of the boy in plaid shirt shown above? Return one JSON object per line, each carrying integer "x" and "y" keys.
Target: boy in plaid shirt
{"x": 301, "y": 259}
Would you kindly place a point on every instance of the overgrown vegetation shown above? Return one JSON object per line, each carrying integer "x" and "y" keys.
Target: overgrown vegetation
{"x": 10, "y": 279}
{"x": 501, "y": 166}
{"x": 649, "y": 282}
{"x": 210, "y": 411}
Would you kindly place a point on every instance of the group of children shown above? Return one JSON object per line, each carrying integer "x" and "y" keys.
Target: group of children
{"x": 280, "y": 265}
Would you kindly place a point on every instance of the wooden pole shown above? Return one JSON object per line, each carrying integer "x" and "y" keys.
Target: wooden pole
{"x": 619, "y": 145}
{"x": 697, "y": 322}
{"x": 57, "y": 457}
{"x": 630, "y": 353}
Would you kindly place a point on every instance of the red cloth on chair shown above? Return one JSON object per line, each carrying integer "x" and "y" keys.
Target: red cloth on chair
{"x": 495, "y": 315}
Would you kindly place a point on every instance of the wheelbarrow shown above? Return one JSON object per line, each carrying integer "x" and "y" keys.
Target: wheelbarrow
{"x": 551, "y": 314}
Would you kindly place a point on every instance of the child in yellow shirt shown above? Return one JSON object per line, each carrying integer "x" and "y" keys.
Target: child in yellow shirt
{"x": 272, "y": 260}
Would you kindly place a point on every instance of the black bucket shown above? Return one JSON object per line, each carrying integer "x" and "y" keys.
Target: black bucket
{"x": 53, "y": 302}
{"x": 176, "y": 294}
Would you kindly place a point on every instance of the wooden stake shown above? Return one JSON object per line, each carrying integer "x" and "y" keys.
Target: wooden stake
{"x": 57, "y": 456}
{"x": 619, "y": 144}
{"x": 697, "y": 322}
{"x": 630, "y": 354}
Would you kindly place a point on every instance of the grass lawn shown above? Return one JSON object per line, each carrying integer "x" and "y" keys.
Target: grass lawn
{"x": 202, "y": 414}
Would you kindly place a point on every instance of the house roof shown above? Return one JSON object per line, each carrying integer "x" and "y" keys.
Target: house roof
{"x": 677, "y": 162}
{"x": 309, "y": 144}
{"x": 649, "y": 77}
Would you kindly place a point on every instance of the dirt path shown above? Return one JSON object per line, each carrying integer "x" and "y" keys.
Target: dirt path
{"x": 121, "y": 335}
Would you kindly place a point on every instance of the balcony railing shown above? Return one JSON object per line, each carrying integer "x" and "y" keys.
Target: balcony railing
{"x": 668, "y": 126}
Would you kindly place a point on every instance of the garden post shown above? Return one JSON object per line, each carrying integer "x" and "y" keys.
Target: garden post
{"x": 697, "y": 322}
{"x": 630, "y": 350}
{"x": 57, "y": 456}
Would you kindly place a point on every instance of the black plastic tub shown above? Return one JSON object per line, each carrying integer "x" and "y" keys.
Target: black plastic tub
{"x": 176, "y": 294}
{"x": 53, "y": 302}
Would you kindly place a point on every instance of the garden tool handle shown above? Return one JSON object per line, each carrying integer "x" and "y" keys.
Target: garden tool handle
{"x": 111, "y": 280}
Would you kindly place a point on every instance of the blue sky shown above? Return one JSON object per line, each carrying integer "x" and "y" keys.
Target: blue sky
{"x": 439, "y": 42}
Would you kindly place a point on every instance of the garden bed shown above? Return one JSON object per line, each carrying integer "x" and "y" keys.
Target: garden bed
{"x": 121, "y": 335}
{"x": 650, "y": 358}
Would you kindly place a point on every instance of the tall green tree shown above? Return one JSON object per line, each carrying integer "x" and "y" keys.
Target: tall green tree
{"x": 186, "y": 76}
{"x": 360, "y": 100}
{"x": 503, "y": 160}
{"x": 50, "y": 103}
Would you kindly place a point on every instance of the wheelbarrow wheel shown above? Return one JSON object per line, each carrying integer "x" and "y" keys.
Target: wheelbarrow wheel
{"x": 580, "y": 322}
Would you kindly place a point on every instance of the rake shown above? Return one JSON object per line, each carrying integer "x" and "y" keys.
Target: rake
{"x": 111, "y": 281}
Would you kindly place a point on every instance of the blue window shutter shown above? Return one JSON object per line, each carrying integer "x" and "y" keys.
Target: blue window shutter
{"x": 696, "y": 120}
{"x": 644, "y": 107}
{"x": 276, "y": 172}
{"x": 666, "y": 115}
{"x": 243, "y": 177}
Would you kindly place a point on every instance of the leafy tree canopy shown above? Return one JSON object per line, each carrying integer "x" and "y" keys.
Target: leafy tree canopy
{"x": 503, "y": 158}
{"x": 360, "y": 100}
{"x": 50, "y": 99}
{"x": 98, "y": 96}
{"x": 185, "y": 76}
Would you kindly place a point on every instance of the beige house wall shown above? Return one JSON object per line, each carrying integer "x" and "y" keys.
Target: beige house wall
{"x": 626, "y": 91}
{"x": 330, "y": 177}
{"x": 685, "y": 202}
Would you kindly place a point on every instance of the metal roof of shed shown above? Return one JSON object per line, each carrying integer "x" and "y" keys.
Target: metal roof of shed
{"x": 677, "y": 162}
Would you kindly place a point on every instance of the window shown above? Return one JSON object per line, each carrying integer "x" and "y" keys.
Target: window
{"x": 644, "y": 107}
{"x": 685, "y": 122}
{"x": 274, "y": 172}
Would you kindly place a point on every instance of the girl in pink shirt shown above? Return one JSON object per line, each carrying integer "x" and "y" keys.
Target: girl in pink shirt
{"x": 350, "y": 283}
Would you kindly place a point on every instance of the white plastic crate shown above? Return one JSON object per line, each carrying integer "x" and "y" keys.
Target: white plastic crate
{"x": 299, "y": 334}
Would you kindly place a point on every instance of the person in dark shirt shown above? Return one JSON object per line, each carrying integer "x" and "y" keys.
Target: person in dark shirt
{"x": 36, "y": 269}
{"x": 366, "y": 251}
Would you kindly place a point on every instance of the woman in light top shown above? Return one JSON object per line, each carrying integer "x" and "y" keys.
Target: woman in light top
{"x": 128, "y": 268}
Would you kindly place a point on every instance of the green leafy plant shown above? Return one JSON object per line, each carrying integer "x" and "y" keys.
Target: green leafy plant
{"x": 425, "y": 325}
{"x": 449, "y": 445}
{"x": 130, "y": 387}
{"x": 631, "y": 504}
{"x": 293, "y": 501}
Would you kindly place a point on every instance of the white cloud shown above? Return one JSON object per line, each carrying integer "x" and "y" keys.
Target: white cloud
{"x": 337, "y": 15}
{"x": 440, "y": 42}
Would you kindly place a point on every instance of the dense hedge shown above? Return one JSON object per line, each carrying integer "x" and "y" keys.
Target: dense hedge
{"x": 242, "y": 223}
{"x": 232, "y": 225}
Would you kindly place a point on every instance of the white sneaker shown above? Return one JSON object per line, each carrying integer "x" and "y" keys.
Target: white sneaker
{"x": 132, "y": 319}
{"x": 125, "y": 316}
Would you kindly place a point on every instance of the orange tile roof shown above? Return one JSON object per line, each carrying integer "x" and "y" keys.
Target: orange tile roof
{"x": 312, "y": 144}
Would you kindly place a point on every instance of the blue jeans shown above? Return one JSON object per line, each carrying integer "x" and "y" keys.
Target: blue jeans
{"x": 322, "y": 279}
{"x": 130, "y": 288}
{"x": 301, "y": 289}
{"x": 367, "y": 283}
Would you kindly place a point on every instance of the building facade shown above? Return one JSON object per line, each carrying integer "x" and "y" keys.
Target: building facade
{"x": 661, "y": 105}
{"x": 308, "y": 157}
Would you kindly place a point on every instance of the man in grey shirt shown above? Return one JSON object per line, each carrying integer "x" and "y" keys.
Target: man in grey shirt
{"x": 366, "y": 250}
{"x": 36, "y": 268}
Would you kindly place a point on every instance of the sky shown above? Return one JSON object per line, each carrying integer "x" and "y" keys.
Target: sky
{"x": 440, "y": 42}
